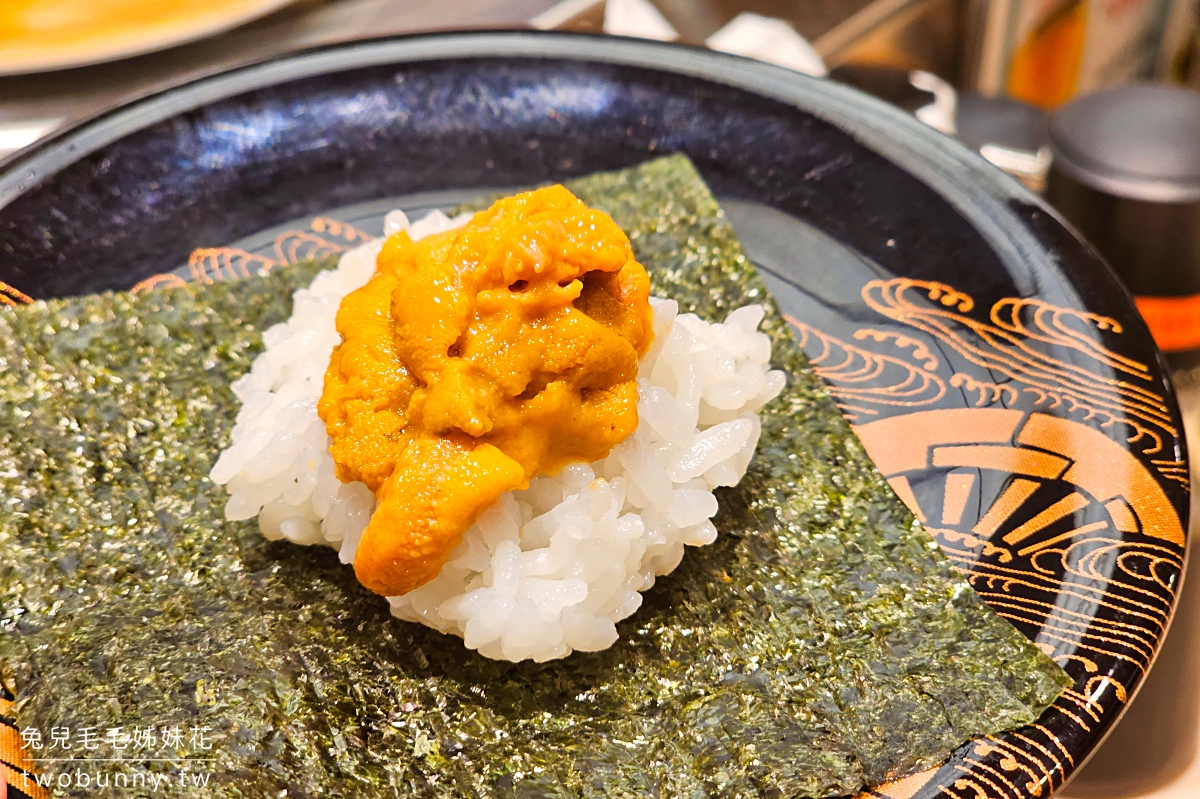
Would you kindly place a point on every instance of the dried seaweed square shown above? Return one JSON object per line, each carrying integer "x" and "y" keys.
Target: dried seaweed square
{"x": 821, "y": 645}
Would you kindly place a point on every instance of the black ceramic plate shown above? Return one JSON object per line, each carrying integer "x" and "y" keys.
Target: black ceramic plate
{"x": 992, "y": 366}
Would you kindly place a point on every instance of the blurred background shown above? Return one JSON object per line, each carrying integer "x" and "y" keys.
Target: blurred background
{"x": 1093, "y": 103}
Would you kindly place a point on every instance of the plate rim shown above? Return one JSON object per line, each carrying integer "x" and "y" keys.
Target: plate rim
{"x": 895, "y": 134}
{"x": 960, "y": 176}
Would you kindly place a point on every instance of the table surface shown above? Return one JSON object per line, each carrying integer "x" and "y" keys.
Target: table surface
{"x": 1154, "y": 753}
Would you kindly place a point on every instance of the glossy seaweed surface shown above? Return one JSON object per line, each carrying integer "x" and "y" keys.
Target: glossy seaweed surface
{"x": 823, "y": 645}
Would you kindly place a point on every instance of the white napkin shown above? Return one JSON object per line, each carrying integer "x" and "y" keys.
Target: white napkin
{"x": 637, "y": 18}
{"x": 768, "y": 39}
{"x": 15, "y": 135}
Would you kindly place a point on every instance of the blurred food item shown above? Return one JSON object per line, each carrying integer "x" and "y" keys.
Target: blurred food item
{"x": 38, "y": 35}
{"x": 1045, "y": 67}
{"x": 1045, "y": 52}
{"x": 1127, "y": 174}
{"x": 767, "y": 39}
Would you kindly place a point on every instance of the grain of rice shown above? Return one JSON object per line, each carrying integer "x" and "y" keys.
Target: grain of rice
{"x": 546, "y": 570}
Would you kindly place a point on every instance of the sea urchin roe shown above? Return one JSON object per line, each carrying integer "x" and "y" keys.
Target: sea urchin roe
{"x": 475, "y": 360}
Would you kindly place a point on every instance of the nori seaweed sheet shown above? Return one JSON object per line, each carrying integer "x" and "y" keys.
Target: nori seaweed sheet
{"x": 822, "y": 644}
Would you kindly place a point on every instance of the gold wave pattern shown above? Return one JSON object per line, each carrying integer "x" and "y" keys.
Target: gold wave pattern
{"x": 16, "y": 766}
{"x": 986, "y": 393}
{"x": 1087, "y": 570}
{"x": 1174, "y": 470}
{"x": 161, "y": 281}
{"x": 920, "y": 352}
{"x": 1036, "y": 446}
{"x": 1030, "y": 762}
{"x": 1111, "y": 614}
{"x": 11, "y": 296}
{"x": 324, "y": 237}
{"x": 1063, "y": 327}
{"x": 1007, "y": 344}
{"x": 1102, "y": 590}
{"x": 215, "y": 264}
{"x": 860, "y": 378}
{"x": 1117, "y": 581}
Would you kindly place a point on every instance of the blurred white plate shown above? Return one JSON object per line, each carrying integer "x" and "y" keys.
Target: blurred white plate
{"x": 43, "y": 35}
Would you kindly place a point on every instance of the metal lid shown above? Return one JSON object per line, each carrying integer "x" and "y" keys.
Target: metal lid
{"x": 1001, "y": 121}
{"x": 1140, "y": 141}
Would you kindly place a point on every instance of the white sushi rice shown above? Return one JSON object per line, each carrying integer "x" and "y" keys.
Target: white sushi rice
{"x": 547, "y": 570}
